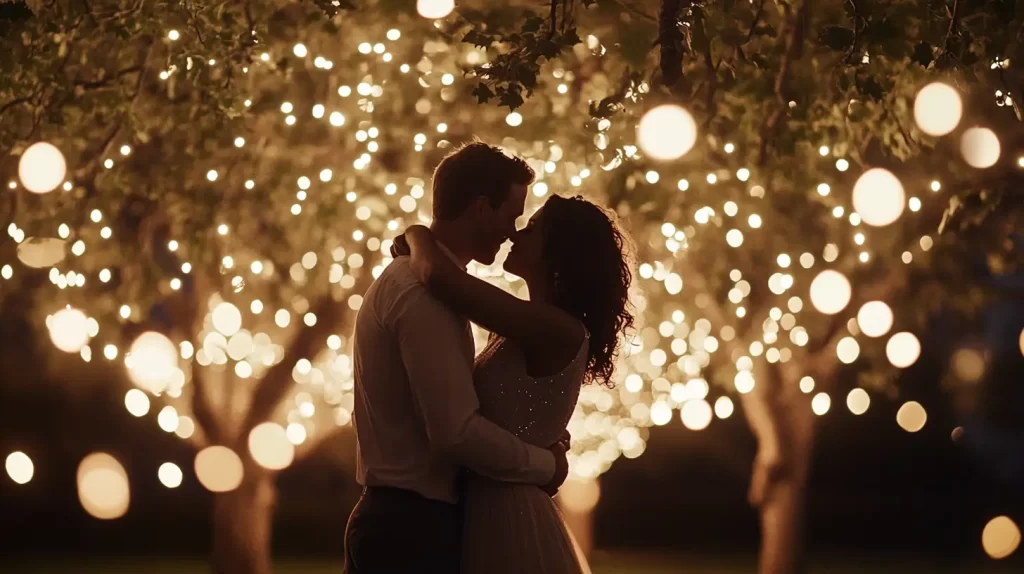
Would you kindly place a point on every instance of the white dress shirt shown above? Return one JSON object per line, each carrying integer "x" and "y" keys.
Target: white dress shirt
{"x": 415, "y": 412}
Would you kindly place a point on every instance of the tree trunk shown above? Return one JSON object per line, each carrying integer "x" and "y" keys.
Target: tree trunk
{"x": 782, "y": 526}
{"x": 242, "y": 525}
{"x": 782, "y": 420}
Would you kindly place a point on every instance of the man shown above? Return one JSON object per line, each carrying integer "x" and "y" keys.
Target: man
{"x": 415, "y": 413}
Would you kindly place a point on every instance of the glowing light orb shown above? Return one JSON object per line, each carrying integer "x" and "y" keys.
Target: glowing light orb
{"x": 830, "y": 292}
{"x": 227, "y": 319}
{"x": 980, "y": 147}
{"x": 858, "y": 401}
{"x": 270, "y": 447}
{"x": 39, "y": 252}
{"x": 170, "y": 475}
{"x": 969, "y": 365}
{"x": 136, "y": 402}
{"x": 938, "y": 109}
{"x": 821, "y": 403}
{"x": 911, "y": 416}
{"x": 69, "y": 330}
{"x": 724, "y": 407}
{"x": 1000, "y": 538}
{"x": 434, "y": 9}
{"x": 42, "y": 168}
{"x": 667, "y": 132}
{"x": 874, "y": 318}
{"x": 103, "y": 486}
{"x": 661, "y": 413}
{"x": 19, "y": 467}
{"x": 878, "y": 197}
{"x": 744, "y": 382}
{"x": 848, "y": 350}
{"x": 218, "y": 469}
{"x": 152, "y": 361}
{"x": 696, "y": 414}
{"x": 903, "y": 349}
{"x": 167, "y": 419}
{"x": 579, "y": 494}
{"x": 1021, "y": 342}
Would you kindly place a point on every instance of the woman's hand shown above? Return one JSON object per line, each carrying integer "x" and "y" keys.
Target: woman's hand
{"x": 424, "y": 251}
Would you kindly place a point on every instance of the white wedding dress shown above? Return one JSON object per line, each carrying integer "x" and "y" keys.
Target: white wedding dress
{"x": 516, "y": 528}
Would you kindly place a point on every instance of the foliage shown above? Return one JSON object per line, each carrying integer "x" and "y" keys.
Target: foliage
{"x": 783, "y": 93}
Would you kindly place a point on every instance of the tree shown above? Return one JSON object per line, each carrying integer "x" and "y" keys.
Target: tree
{"x": 225, "y": 160}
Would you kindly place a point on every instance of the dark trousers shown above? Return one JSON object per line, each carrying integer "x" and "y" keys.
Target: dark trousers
{"x": 394, "y": 531}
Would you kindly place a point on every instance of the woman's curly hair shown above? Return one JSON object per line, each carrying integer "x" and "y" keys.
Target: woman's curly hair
{"x": 588, "y": 257}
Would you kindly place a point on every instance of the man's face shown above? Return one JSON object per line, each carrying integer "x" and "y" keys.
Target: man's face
{"x": 496, "y": 225}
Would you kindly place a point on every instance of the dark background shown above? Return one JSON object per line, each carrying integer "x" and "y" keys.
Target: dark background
{"x": 875, "y": 489}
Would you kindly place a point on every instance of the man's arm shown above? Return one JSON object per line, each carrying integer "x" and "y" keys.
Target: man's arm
{"x": 441, "y": 380}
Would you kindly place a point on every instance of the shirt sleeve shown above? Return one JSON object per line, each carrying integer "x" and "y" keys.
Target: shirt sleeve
{"x": 441, "y": 379}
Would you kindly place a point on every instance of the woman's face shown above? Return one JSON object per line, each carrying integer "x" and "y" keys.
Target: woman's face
{"x": 526, "y": 259}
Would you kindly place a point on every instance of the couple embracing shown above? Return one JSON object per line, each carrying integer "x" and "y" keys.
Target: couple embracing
{"x": 459, "y": 455}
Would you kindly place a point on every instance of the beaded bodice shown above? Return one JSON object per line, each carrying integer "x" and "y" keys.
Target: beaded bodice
{"x": 535, "y": 409}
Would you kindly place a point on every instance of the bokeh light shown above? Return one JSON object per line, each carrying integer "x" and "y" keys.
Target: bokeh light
{"x": 667, "y": 132}
{"x": 270, "y": 447}
{"x": 136, "y": 402}
{"x": 103, "y": 486}
{"x": 830, "y": 292}
{"x": 858, "y": 401}
{"x": 847, "y": 350}
{"x": 937, "y": 109}
{"x": 821, "y": 403}
{"x": 218, "y": 469}
{"x": 903, "y": 349}
{"x": 19, "y": 467}
{"x": 911, "y": 417}
{"x": 724, "y": 407}
{"x": 874, "y": 318}
{"x": 69, "y": 330}
{"x": 227, "y": 319}
{"x": 1000, "y": 538}
{"x": 42, "y": 168}
{"x": 696, "y": 414}
{"x": 170, "y": 475}
{"x": 980, "y": 147}
{"x": 434, "y": 9}
{"x": 878, "y": 197}
{"x": 968, "y": 364}
{"x": 152, "y": 361}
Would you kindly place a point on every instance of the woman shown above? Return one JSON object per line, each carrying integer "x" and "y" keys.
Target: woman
{"x": 573, "y": 259}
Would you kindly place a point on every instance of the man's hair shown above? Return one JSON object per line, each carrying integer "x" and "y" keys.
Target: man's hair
{"x": 474, "y": 170}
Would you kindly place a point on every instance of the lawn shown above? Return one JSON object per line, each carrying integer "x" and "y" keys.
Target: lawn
{"x": 603, "y": 563}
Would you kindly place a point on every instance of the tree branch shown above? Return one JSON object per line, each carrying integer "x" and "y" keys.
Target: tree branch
{"x": 275, "y": 384}
{"x": 797, "y": 23}
{"x": 670, "y": 40}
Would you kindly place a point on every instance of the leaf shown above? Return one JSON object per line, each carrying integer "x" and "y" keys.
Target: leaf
{"x": 570, "y": 38}
{"x": 477, "y": 39}
{"x": 533, "y": 24}
{"x": 548, "y": 48}
{"x": 922, "y": 54}
{"x": 733, "y": 36}
{"x": 511, "y": 97}
{"x": 836, "y": 37}
{"x": 483, "y": 93}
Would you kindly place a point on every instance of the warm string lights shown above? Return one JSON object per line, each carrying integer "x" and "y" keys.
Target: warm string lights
{"x": 264, "y": 299}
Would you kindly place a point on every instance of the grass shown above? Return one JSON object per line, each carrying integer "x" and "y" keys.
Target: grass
{"x": 603, "y": 563}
